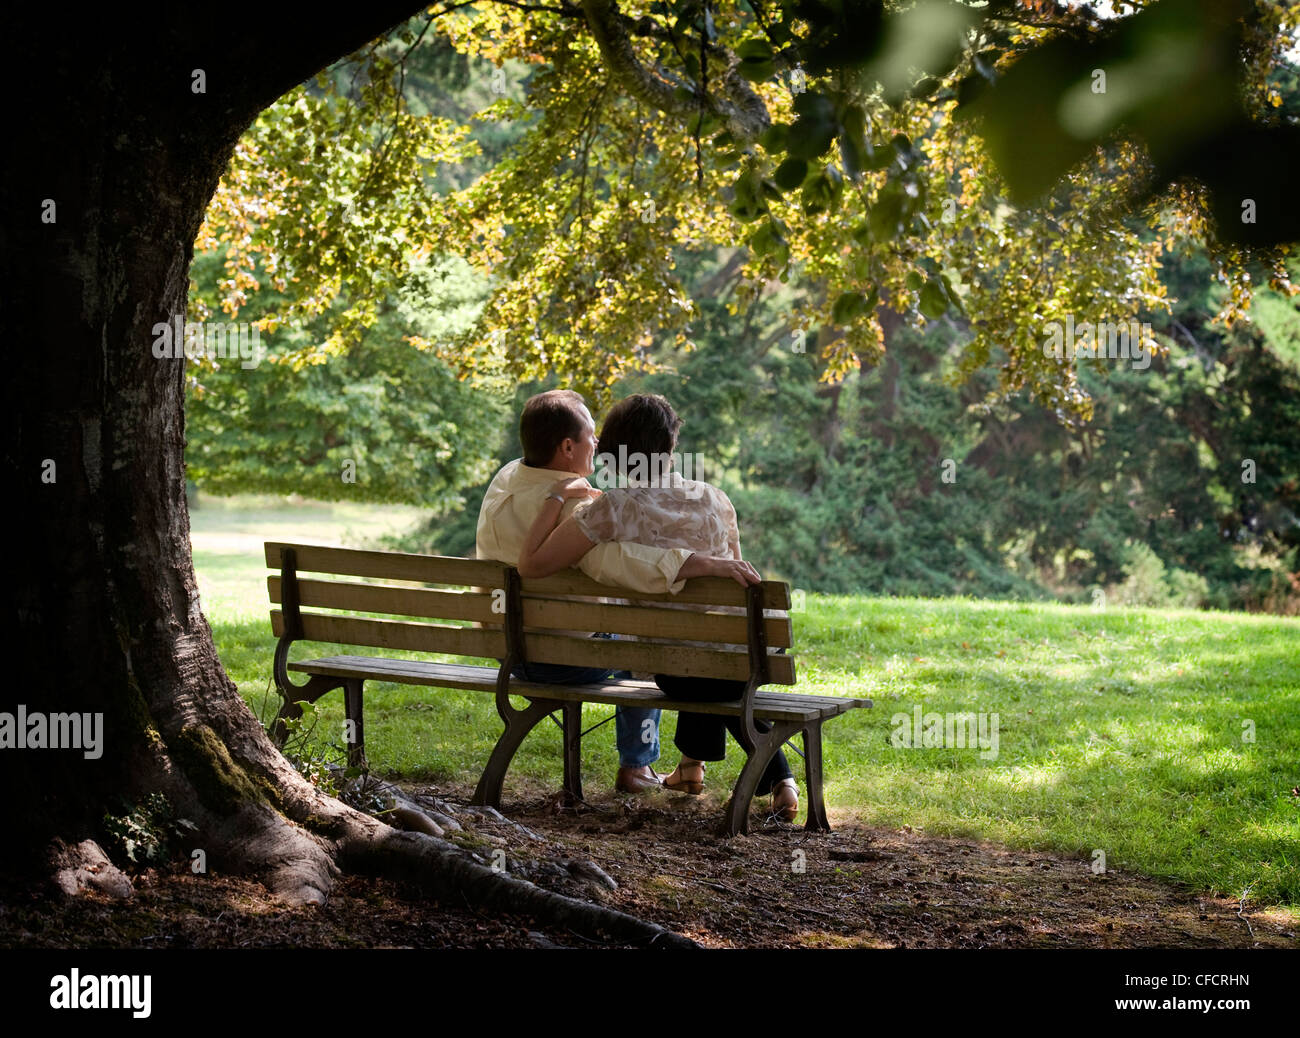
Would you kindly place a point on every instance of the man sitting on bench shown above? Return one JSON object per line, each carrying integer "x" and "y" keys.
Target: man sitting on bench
{"x": 558, "y": 437}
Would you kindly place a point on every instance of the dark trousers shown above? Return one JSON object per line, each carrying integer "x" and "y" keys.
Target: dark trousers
{"x": 704, "y": 736}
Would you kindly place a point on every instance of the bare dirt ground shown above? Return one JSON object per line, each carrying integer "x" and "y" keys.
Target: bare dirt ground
{"x": 861, "y": 887}
{"x": 779, "y": 887}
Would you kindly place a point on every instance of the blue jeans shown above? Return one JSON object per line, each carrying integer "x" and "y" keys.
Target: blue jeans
{"x": 638, "y": 742}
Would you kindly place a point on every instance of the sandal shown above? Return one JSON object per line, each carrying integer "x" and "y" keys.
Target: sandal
{"x": 684, "y": 785}
{"x": 785, "y": 800}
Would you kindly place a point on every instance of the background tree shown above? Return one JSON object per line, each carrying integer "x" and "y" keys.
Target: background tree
{"x": 378, "y": 419}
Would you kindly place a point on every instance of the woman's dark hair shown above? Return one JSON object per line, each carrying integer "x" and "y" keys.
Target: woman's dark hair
{"x": 644, "y": 425}
{"x": 548, "y": 420}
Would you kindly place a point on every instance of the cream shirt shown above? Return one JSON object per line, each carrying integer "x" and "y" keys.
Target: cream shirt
{"x": 515, "y": 498}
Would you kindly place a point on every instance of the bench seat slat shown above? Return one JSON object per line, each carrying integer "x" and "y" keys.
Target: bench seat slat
{"x": 769, "y": 705}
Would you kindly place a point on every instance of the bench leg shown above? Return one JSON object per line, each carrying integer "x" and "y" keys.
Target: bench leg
{"x": 518, "y": 724}
{"x": 356, "y": 727}
{"x": 812, "y": 762}
{"x": 572, "y": 718}
{"x": 738, "y": 809}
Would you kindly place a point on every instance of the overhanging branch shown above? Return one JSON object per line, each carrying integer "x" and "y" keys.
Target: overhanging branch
{"x": 741, "y": 110}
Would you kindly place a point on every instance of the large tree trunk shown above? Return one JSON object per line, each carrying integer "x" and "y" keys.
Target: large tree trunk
{"x": 101, "y": 598}
{"x": 100, "y": 575}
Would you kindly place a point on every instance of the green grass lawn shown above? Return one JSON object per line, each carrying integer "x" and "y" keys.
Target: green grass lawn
{"x": 1170, "y": 740}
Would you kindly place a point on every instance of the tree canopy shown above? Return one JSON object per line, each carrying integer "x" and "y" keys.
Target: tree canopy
{"x": 1004, "y": 167}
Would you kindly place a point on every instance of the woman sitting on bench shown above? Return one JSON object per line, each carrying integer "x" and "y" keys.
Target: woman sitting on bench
{"x": 659, "y": 508}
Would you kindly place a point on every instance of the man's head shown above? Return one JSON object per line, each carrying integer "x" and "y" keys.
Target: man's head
{"x": 641, "y": 426}
{"x": 557, "y": 432}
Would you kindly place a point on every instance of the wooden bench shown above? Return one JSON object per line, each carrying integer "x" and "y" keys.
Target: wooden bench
{"x": 515, "y": 620}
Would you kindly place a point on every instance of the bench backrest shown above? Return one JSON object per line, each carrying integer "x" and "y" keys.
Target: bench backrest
{"x": 548, "y": 610}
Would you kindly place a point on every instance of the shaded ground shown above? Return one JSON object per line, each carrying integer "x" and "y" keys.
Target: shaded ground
{"x": 184, "y": 911}
{"x": 779, "y": 887}
{"x": 865, "y": 887}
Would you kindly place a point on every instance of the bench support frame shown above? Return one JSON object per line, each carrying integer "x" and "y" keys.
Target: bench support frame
{"x": 737, "y": 814}
{"x": 762, "y": 747}
{"x": 519, "y": 722}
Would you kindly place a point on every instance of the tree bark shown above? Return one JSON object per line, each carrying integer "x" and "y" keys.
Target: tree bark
{"x": 101, "y": 604}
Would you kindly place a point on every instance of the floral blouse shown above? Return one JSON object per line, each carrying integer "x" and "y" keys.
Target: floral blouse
{"x": 679, "y": 513}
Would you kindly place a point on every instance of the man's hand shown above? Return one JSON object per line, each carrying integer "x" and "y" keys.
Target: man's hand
{"x": 574, "y": 487}
{"x": 710, "y": 566}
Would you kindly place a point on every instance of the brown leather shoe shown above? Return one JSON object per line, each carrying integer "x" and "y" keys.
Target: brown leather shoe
{"x": 636, "y": 780}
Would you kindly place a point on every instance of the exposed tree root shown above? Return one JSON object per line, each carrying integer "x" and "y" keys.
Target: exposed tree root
{"x": 294, "y": 864}
{"x": 301, "y": 868}
{"x": 444, "y": 871}
{"x": 85, "y": 866}
{"x": 300, "y": 850}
